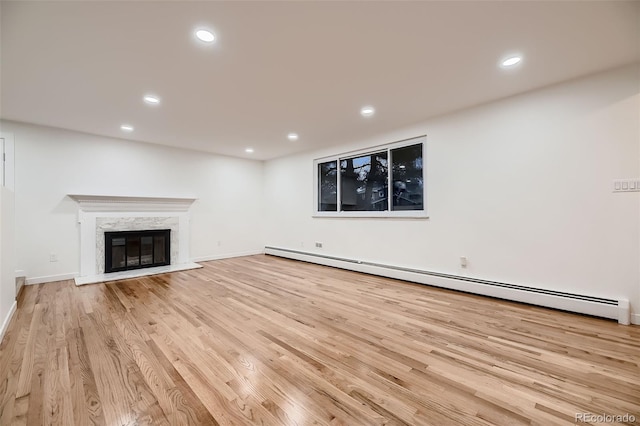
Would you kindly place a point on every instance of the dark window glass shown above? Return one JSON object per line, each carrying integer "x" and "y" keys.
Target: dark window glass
{"x": 328, "y": 186}
{"x": 407, "y": 177}
{"x": 364, "y": 183}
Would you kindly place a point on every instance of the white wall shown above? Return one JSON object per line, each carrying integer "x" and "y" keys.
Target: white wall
{"x": 51, "y": 163}
{"x": 7, "y": 230}
{"x": 7, "y": 277}
{"x": 521, "y": 187}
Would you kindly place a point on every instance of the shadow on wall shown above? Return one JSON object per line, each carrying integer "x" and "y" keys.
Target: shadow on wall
{"x": 66, "y": 206}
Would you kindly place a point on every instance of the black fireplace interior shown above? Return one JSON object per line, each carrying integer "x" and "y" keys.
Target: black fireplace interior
{"x": 128, "y": 250}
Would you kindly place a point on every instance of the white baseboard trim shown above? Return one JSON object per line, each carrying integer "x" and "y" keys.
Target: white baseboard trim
{"x": 50, "y": 278}
{"x": 583, "y": 304}
{"x": 227, "y": 256}
{"x": 20, "y": 273}
{"x": 635, "y": 319}
{"x": 7, "y": 320}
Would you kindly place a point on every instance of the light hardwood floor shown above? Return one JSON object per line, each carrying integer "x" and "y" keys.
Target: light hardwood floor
{"x": 269, "y": 341}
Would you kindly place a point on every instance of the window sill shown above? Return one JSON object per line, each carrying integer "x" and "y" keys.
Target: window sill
{"x": 370, "y": 215}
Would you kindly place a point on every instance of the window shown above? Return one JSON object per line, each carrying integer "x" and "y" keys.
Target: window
{"x": 383, "y": 182}
{"x": 407, "y": 177}
{"x": 328, "y": 190}
{"x": 364, "y": 183}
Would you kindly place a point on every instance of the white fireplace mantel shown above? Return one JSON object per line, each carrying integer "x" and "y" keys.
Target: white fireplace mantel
{"x": 97, "y": 212}
{"x": 112, "y": 203}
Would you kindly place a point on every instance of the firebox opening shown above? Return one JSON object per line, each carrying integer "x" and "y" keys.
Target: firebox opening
{"x": 126, "y": 250}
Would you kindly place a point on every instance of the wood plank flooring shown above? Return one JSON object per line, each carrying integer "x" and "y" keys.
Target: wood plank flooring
{"x": 266, "y": 341}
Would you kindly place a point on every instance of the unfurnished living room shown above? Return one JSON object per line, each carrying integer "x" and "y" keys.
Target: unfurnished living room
{"x": 319, "y": 213}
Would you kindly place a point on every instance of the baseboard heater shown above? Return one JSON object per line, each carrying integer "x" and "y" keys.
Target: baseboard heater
{"x": 589, "y": 305}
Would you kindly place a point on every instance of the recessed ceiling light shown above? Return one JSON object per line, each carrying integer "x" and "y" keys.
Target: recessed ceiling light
{"x": 367, "y": 111}
{"x": 126, "y": 128}
{"x": 205, "y": 36}
{"x": 249, "y": 150}
{"x": 511, "y": 61}
{"x": 292, "y": 136}
{"x": 151, "y": 99}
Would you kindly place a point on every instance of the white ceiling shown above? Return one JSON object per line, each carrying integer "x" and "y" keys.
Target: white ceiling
{"x": 278, "y": 67}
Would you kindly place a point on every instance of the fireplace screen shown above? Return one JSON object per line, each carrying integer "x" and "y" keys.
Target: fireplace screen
{"x": 136, "y": 249}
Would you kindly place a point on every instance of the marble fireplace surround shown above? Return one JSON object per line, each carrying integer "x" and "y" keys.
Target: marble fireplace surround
{"x": 100, "y": 213}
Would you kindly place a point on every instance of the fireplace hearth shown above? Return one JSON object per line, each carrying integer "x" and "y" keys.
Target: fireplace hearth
{"x": 127, "y": 250}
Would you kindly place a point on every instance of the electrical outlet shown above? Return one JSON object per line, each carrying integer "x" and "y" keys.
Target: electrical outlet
{"x": 53, "y": 257}
{"x": 626, "y": 185}
{"x": 318, "y": 244}
{"x": 463, "y": 262}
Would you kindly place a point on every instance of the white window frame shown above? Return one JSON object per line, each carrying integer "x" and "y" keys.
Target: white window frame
{"x": 415, "y": 214}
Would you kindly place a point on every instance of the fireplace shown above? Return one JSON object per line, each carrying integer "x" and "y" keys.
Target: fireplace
{"x": 101, "y": 214}
{"x": 126, "y": 250}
